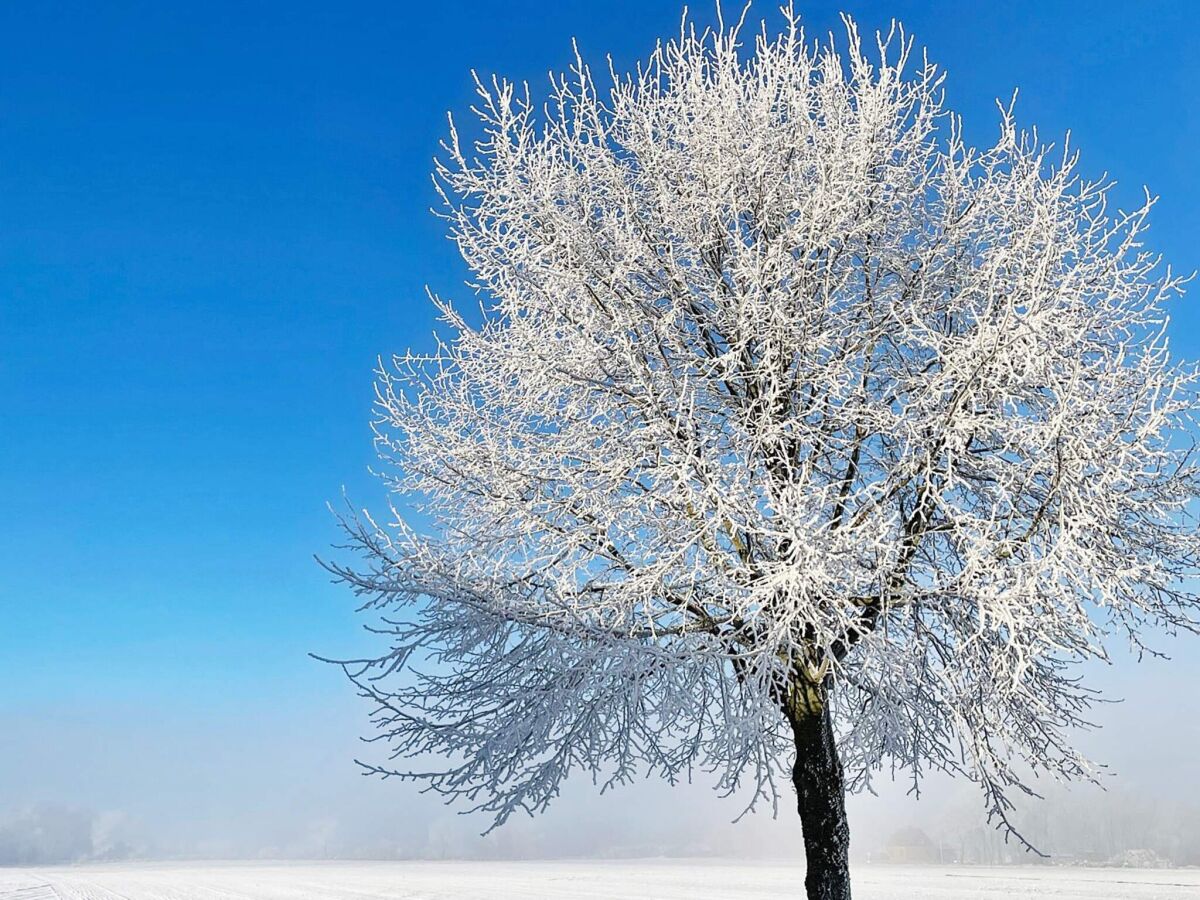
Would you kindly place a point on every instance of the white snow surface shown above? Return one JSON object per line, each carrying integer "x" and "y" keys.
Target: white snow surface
{"x": 560, "y": 880}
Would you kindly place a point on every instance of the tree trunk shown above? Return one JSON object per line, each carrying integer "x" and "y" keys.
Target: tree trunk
{"x": 821, "y": 798}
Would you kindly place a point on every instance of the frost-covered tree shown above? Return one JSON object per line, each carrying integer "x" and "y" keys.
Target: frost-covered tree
{"x": 793, "y": 429}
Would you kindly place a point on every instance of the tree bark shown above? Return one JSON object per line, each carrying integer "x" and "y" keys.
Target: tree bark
{"x": 821, "y": 799}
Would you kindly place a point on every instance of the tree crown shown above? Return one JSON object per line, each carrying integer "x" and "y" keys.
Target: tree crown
{"x": 783, "y": 396}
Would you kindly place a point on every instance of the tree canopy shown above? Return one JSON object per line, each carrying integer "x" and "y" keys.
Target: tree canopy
{"x": 781, "y": 396}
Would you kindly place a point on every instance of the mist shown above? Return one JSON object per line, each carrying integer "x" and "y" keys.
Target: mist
{"x": 242, "y": 780}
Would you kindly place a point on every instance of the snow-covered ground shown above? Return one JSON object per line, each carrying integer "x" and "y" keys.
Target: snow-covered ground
{"x": 644, "y": 880}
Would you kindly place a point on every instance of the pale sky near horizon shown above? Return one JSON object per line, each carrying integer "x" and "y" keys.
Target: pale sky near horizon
{"x": 212, "y": 221}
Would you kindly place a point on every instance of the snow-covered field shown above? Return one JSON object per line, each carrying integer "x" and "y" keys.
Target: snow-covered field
{"x": 644, "y": 880}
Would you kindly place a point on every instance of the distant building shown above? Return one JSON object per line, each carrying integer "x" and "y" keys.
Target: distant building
{"x": 911, "y": 845}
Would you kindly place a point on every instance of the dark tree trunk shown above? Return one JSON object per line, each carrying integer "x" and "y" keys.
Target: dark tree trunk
{"x": 821, "y": 798}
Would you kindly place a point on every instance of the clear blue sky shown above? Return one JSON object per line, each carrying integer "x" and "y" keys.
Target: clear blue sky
{"x": 213, "y": 217}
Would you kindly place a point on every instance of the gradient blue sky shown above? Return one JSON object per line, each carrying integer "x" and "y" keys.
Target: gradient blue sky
{"x": 212, "y": 220}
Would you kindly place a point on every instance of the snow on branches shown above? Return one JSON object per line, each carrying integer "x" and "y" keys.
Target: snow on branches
{"x": 779, "y": 386}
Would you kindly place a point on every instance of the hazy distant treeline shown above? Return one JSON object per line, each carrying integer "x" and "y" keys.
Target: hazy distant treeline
{"x": 1119, "y": 827}
{"x": 47, "y": 834}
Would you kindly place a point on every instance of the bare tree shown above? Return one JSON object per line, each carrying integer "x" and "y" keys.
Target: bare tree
{"x": 794, "y": 428}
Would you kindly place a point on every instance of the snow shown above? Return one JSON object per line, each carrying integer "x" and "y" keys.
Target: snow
{"x": 560, "y": 880}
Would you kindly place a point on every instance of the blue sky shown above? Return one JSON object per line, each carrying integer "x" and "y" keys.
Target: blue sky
{"x": 214, "y": 217}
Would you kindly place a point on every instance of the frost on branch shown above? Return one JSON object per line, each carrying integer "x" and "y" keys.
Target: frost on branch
{"x": 778, "y": 385}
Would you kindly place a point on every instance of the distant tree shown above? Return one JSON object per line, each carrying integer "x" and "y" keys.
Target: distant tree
{"x": 794, "y": 428}
{"x": 46, "y": 834}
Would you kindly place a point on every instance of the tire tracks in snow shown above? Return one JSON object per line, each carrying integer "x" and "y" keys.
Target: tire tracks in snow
{"x": 45, "y": 891}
